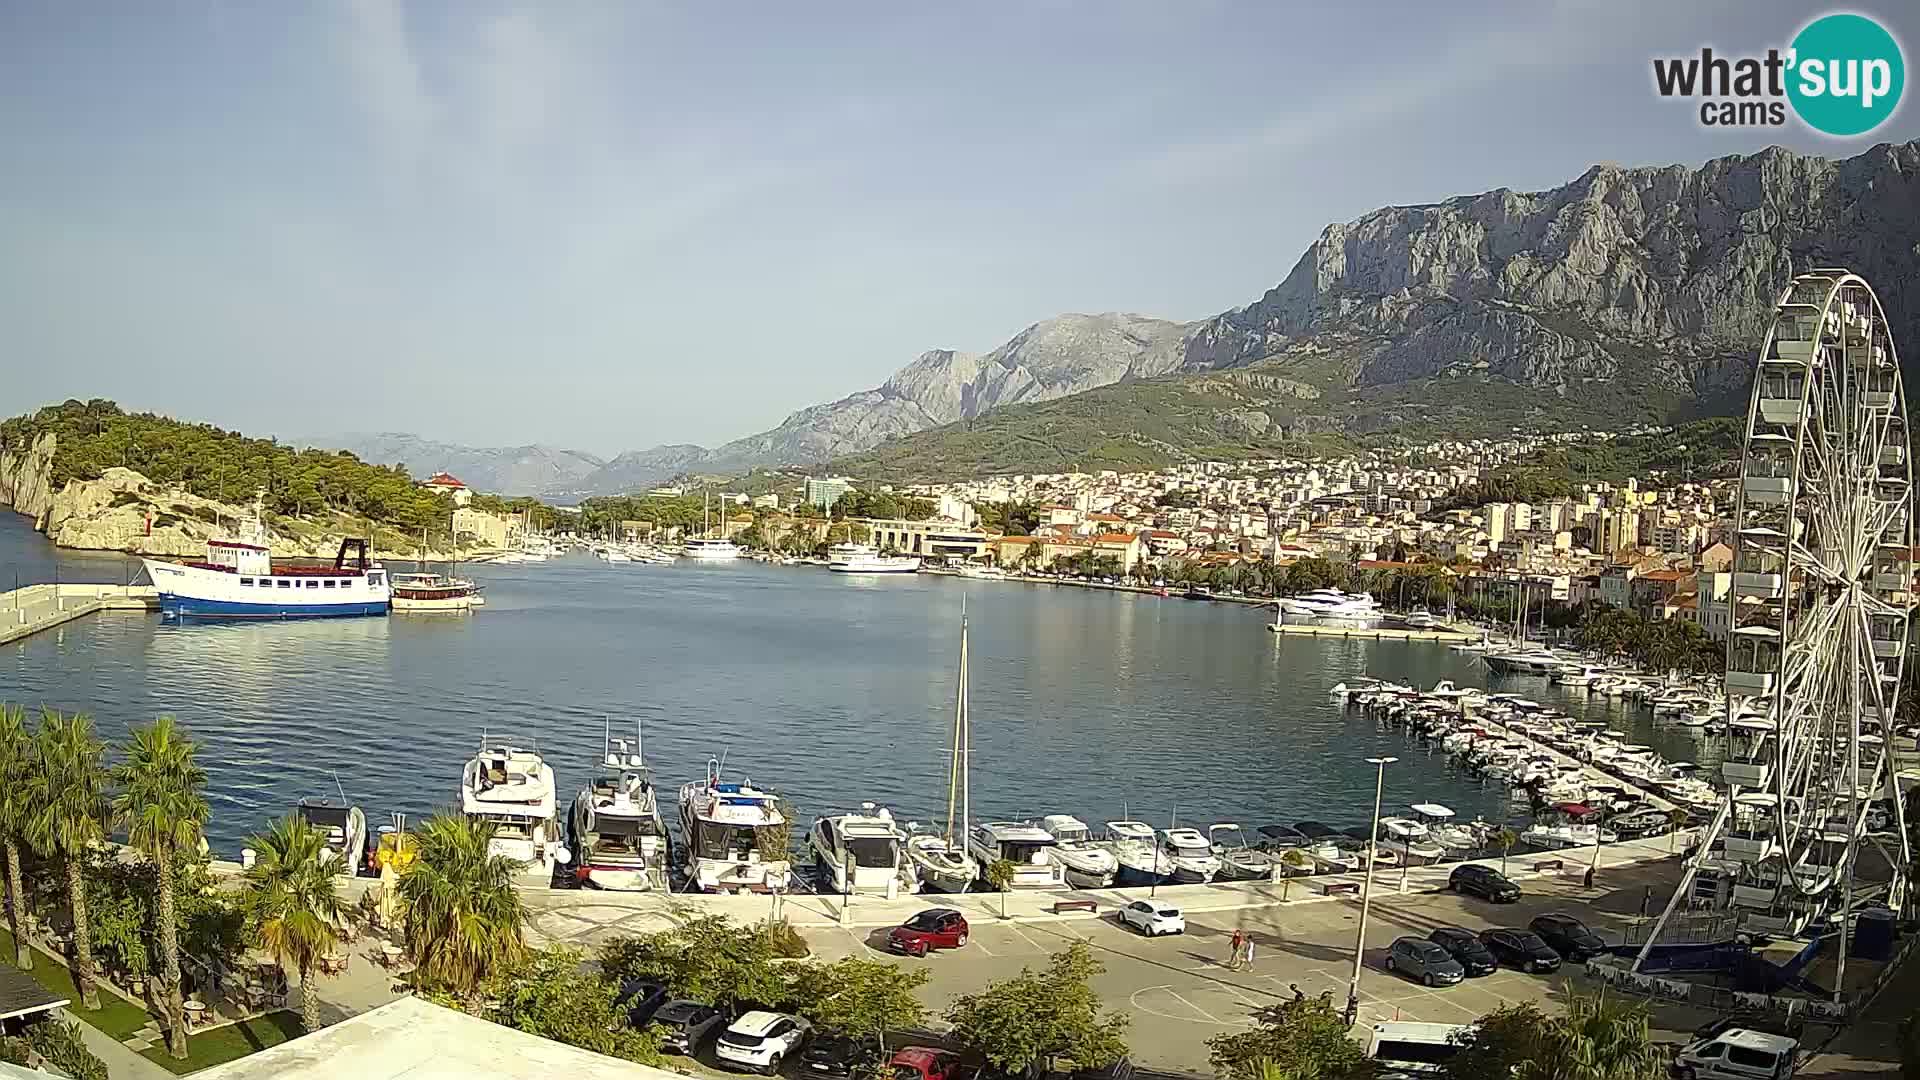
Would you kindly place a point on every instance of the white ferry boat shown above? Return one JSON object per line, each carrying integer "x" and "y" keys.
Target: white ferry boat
{"x": 240, "y": 580}
{"x": 434, "y": 592}
{"x": 863, "y": 559}
{"x": 1330, "y": 607}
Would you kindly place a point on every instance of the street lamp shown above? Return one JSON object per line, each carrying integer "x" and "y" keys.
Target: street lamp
{"x": 1366, "y": 889}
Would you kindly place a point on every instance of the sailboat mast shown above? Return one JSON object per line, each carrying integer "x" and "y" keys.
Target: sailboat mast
{"x": 959, "y": 711}
{"x": 966, "y": 739}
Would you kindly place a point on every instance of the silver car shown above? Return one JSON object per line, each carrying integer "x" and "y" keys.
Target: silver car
{"x": 1418, "y": 958}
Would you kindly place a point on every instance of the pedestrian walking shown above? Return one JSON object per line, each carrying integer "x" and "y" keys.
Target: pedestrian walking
{"x": 1248, "y": 956}
{"x": 1233, "y": 950}
{"x": 1298, "y": 995}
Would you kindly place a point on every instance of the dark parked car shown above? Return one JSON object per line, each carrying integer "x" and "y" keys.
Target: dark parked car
{"x": 640, "y": 1000}
{"x": 1483, "y": 881}
{"x": 1463, "y": 946}
{"x": 1424, "y": 961}
{"x": 1567, "y": 936}
{"x": 839, "y": 1055}
{"x": 687, "y": 1024}
{"x": 934, "y": 928}
{"x": 1521, "y": 950}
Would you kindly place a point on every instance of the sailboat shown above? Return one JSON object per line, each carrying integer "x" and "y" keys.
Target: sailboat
{"x": 941, "y": 860}
{"x": 706, "y": 546}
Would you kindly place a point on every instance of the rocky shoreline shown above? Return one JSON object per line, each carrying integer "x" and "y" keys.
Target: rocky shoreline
{"x": 126, "y": 512}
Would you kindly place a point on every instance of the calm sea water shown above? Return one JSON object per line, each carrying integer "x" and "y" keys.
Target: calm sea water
{"x": 832, "y": 690}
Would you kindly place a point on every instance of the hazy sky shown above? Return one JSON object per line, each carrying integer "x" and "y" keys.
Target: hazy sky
{"x": 610, "y": 226}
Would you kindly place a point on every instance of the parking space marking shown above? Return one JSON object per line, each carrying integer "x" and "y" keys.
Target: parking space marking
{"x": 1021, "y": 934}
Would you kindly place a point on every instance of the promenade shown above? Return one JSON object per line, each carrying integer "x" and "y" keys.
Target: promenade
{"x": 32, "y": 608}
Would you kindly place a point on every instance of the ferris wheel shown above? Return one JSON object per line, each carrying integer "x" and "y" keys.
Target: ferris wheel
{"x": 1819, "y": 604}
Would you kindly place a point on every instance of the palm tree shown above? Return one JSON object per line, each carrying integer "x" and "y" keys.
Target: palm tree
{"x": 1000, "y": 874}
{"x": 161, "y": 806}
{"x": 1292, "y": 859}
{"x": 1504, "y": 840}
{"x": 16, "y": 772}
{"x": 1601, "y": 1039}
{"x": 68, "y": 791}
{"x": 292, "y": 903}
{"x": 463, "y": 916}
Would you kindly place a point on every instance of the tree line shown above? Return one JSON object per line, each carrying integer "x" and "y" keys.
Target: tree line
{"x": 226, "y": 466}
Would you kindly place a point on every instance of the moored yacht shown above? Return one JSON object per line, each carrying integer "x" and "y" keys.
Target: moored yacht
{"x": 511, "y": 787}
{"x": 1238, "y": 860}
{"x": 1135, "y": 855}
{"x": 1186, "y": 857}
{"x": 862, "y": 853}
{"x": 940, "y": 860}
{"x": 726, "y": 826}
{"x": 709, "y": 548}
{"x": 1410, "y": 840}
{"x": 619, "y": 837}
{"x": 344, "y": 831}
{"x": 1523, "y": 661}
{"x": 1329, "y": 607}
{"x": 1088, "y": 865}
{"x": 1027, "y": 847}
{"x": 864, "y": 559}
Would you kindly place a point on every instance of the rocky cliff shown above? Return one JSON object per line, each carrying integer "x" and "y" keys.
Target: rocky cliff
{"x": 26, "y": 479}
{"x": 124, "y": 511}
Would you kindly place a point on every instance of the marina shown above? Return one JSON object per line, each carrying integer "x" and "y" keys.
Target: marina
{"x": 1108, "y": 706}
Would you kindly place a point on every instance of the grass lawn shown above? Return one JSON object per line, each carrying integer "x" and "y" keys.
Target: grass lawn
{"x": 115, "y": 1016}
{"x": 222, "y": 1044}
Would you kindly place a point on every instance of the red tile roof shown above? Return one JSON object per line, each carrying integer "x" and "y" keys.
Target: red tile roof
{"x": 1114, "y": 538}
{"x": 441, "y": 479}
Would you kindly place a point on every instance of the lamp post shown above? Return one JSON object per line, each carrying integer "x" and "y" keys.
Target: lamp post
{"x": 1366, "y": 889}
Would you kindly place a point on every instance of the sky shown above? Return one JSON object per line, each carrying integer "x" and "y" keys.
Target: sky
{"x": 608, "y": 226}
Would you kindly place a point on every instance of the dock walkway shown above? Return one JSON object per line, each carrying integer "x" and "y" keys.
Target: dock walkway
{"x": 32, "y": 608}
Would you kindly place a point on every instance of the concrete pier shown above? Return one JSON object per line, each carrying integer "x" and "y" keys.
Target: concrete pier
{"x": 1378, "y": 633}
{"x": 32, "y": 608}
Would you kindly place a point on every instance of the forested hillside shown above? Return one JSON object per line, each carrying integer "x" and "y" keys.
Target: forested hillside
{"x": 93, "y": 436}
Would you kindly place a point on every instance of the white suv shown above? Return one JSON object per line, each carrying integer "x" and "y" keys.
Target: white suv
{"x": 759, "y": 1040}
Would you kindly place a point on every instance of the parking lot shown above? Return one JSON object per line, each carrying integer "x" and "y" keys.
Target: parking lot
{"x": 1180, "y": 993}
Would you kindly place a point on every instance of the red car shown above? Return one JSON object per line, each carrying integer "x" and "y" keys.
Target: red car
{"x": 934, "y": 928}
{"x": 926, "y": 1063}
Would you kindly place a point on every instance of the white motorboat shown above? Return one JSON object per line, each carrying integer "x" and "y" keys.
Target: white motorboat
{"x": 1329, "y": 607}
{"x": 1445, "y": 831}
{"x": 1410, "y": 840}
{"x": 940, "y": 860}
{"x": 344, "y": 832}
{"x": 727, "y": 825}
{"x": 434, "y": 592}
{"x": 1329, "y": 858}
{"x": 864, "y": 559}
{"x": 1135, "y": 853}
{"x": 1238, "y": 861}
{"x": 863, "y": 853}
{"x": 1027, "y": 847}
{"x": 1525, "y": 661}
{"x": 981, "y": 572}
{"x": 1185, "y": 857}
{"x": 512, "y": 788}
{"x": 618, "y": 834}
{"x": 1088, "y": 865}
{"x": 706, "y": 547}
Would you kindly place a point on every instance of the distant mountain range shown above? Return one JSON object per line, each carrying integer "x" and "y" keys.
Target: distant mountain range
{"x": 508, "y": 470}
{"x": 1624, "y": 295}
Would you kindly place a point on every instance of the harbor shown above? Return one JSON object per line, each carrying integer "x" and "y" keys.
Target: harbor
{"x": 30, "y": 609}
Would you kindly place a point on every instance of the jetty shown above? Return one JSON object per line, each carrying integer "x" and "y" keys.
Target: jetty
{"x": 32, "y": 608}
{"x": 1376, "y": 633}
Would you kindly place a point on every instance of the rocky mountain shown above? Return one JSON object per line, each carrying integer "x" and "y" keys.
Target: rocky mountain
{"x": 505, "y": 470}
{"x": 1056, "y": 358}
{"x": 1628, "y": 294}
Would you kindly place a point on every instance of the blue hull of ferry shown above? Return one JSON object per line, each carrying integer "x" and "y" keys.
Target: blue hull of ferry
{"x": 190, "y": 607}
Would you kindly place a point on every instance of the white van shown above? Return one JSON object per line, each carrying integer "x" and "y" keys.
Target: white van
{"x": 1411, "y": 1048}
{"x": 1737, "y": 1054}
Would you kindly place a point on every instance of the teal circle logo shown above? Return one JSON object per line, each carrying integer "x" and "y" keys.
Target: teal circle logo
{"x": 1847, "y": 74}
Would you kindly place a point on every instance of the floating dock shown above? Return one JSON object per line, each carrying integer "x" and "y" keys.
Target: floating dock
{"x": 1379, "y": 633}
{"x": 30, "y": 609}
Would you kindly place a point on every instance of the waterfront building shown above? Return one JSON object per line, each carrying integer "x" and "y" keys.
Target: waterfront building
{"x": 484, "y": 527}
{"x": 938, "y": 539}
{"x": 447, "y": 484}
